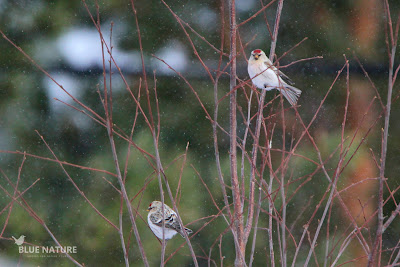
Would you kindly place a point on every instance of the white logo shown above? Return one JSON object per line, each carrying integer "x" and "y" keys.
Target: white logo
{"x": 19, "y": 241}
{"x": 38, "y": 251}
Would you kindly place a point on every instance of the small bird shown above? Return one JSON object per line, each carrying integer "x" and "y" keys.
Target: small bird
{"x": 19, "y": 241}
{"x": 171, "y": 224}
{"x": 265, "y": 75}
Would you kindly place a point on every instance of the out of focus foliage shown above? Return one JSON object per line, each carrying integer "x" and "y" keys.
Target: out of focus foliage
{"x": 60, "y": 37}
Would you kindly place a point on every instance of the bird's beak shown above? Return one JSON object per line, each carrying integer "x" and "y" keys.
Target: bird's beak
{"x": 147, "y": 210}
{"x": 256, "y": 57}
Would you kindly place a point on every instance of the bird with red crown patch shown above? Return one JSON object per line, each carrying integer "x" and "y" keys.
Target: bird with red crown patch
{"x": 266, "y": 76}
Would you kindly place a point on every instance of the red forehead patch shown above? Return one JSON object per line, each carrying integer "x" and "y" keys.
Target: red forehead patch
{"x": 257, "y": 51}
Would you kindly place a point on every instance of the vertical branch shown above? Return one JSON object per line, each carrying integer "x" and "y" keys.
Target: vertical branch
{"x": 214, "y": 124}
{"x": 142, "y": 58}
{"x": 276, "y": 28}
{"x": 327, "y": 236}
{"x": 270, "y": 203}
{"x": 266, "y": 158}
{"x": 114, "y": 151}
{"x": 253, "y": 245}
{"x": 282, "y": 188}
{"x": 237, "y": 203}
{"x": 120, "y": 217}
{"x": 215, "y": 132}
{"x": 258, "y": 128}
{"x": 178, "y": 216}
{"x": 124, "y": 193}
{"x": 159, "y": 166}
{"x": 232, "y": 118}
{"x": 121, "y": 234}
{"x": 160, "y": 170}
{"x": 106, "y": 109}
{"x": 335, "y": 179}
{"x": 391, "y": 52}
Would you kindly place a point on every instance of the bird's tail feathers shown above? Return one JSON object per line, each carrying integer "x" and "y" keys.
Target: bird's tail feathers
{"x": 291, "y": 93}
{"x": 187, "y": 230}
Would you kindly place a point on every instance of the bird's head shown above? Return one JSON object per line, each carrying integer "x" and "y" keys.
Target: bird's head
{"x": 257, "y": 54}
{"x": 154, "y": 205}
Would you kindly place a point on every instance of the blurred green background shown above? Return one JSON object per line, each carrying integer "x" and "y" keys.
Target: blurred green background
{"x": 60, "y": 37}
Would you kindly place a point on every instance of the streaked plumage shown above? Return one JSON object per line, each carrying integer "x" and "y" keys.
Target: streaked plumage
{"x": 155, "y": 217}
{"x": 266, "y": 76}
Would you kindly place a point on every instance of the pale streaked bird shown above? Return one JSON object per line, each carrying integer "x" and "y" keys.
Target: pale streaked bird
{"x": 266, "y": 76}
{"x": 171, "y": 223}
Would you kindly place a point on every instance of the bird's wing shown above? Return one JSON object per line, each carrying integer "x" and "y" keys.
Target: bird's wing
{"x": 170, "y": 221}
{"x": 280, "y": 73}
{"x": 155, "y": 217}
{"x": 285, "y": 77}
{"x": 262, "y": 69}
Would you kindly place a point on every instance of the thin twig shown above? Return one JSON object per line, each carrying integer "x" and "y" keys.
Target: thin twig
{"x": 392, "y": 53}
